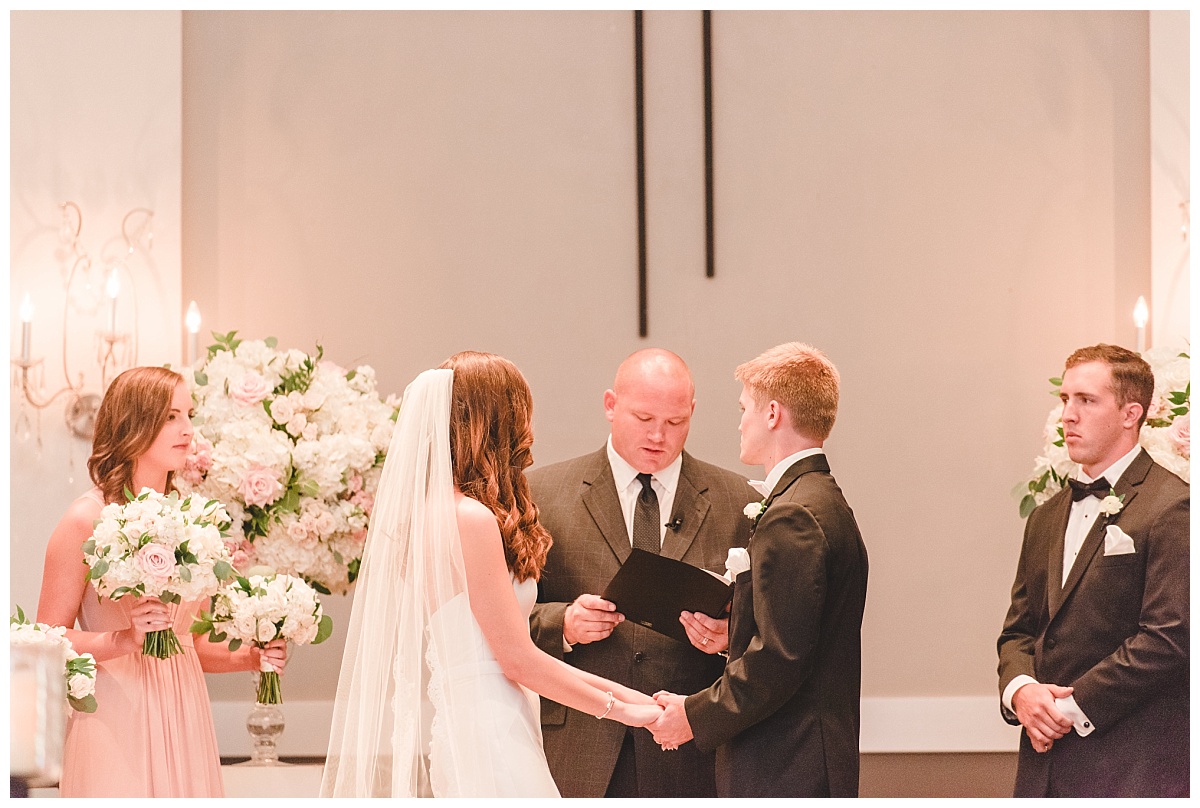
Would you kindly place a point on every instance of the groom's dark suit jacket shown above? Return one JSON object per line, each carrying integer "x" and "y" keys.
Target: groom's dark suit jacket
{"x": 1117, "y": 632}
{"x": 785, "y": 713}
{"x": 578, "y": 504}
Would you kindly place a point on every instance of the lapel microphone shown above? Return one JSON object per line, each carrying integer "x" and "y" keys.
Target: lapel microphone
{"x": 675, "y": 523}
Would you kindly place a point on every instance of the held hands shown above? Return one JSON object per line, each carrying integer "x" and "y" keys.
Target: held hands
{"x": 1034, "y": 705}
{"x": 590, "y": 618}
{"x": 709, "y": 634}
{"x": 672, "y": 729}
{"x": 275, "y": 653}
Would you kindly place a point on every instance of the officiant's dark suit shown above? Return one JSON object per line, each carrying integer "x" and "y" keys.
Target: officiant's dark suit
{"x": 1117, "y": 632}
{"x": 577, "y": 502}
{"x": 785, "y": 714}
{"x": 650, "y": 407}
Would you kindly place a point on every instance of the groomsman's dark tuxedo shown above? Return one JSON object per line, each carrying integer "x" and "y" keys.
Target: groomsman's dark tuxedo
{"x": 1117, "y": 632}
{"x": 784, "y": 716}
{"x": 578, "y": 503}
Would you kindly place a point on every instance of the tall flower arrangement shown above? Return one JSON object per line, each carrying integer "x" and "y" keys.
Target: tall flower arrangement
{"x": 293, "y": 445}
{"x": 1166, "y": 434}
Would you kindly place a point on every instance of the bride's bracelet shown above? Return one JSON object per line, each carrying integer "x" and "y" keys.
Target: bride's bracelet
{"x": 611, "y": 701}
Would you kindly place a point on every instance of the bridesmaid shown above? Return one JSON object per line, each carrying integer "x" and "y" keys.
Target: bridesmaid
{"x": 152, "y": 733}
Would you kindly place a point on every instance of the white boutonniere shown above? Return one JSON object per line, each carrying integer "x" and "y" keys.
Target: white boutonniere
{"x": 1112, "y": 504}
{"x": 737, "y": 562}
{"x": 754, "y": 511}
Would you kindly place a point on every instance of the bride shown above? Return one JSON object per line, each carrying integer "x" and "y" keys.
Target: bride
{"x": 439, "y": 682}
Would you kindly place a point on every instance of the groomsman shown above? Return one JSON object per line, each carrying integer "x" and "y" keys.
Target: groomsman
{"x": 640, "y": 490}
{"x": 784, "y": 715}
{"x": 1094, "y": 651}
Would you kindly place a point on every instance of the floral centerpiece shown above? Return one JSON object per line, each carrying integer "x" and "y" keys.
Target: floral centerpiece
{"x": 159, "y": 545}
{"x": 79, "y": 669}
{"x": 1166, "y": 433}
{"x": 293, "y": 445}
{"x": 260, "y": 608}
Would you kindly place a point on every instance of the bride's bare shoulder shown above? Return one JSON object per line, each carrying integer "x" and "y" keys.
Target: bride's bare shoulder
{"x": 473, "y": 516}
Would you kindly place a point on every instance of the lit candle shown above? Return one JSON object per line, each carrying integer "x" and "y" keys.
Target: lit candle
{"x": 113, "y": 287}
{"x": 1141, "y": 315}
{"x": 193, "y": 326}
{"x": 26, "y": 327}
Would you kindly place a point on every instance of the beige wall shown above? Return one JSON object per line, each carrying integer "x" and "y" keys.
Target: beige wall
{"x": 947, "y": 203}
{"x": 95, "y": 119}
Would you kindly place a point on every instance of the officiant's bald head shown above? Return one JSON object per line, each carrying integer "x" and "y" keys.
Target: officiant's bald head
{"x": 650, "y": 407}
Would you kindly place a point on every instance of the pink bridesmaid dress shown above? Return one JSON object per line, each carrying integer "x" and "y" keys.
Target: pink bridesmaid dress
{"x": 152, "y": 733}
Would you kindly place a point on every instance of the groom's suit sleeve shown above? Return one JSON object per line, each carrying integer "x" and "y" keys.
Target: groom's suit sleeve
{"x": 789, "y": 554}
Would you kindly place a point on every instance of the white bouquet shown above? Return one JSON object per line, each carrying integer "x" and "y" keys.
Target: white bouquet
{"x": 260, "y": 608}
{"x": 1166, "y": 434}
{"x": 294, "y": 446}
{"x": 159, "y": 545}
{"x": 79, "y": 669}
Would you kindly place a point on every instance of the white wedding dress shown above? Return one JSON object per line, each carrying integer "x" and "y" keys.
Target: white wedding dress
{"x": 500, "y": 753}
{"x": 423, "y": 707}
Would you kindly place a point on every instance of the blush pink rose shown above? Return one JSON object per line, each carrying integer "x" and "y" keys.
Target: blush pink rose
{"x": 364, "y": 500}
{"x": 250, "y": 389}
{"x": 260, "y": 487}
{"x": 1181, "y": 434}
{"x": 156, "y": 561}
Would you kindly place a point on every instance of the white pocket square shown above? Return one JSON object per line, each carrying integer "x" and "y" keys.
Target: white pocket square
{"x": 1117, "y": 542}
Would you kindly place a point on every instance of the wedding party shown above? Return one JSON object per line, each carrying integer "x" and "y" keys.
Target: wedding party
{"x": 570, "y": 404}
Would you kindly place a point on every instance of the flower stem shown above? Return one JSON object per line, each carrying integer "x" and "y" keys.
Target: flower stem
{"x": 269, "y": 690}
{"x": 161, "y": 644}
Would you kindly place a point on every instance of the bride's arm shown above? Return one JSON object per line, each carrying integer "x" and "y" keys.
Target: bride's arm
{"x": 494, "y": 605}
{"x": 625, "y": 694}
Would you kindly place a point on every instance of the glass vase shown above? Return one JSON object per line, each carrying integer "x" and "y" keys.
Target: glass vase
{"x": 265, "y": 724}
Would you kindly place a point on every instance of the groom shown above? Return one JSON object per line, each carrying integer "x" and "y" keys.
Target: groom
{"x": 784, "y": 716}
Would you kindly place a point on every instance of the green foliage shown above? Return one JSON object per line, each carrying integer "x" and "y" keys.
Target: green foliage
{"x": 324, "y": 629}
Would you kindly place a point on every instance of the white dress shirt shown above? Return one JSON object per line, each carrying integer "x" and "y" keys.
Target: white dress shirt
{"x": 665, "y": 482}
{"x": 1079, "y": 523}
{"x": 765, "y": 487}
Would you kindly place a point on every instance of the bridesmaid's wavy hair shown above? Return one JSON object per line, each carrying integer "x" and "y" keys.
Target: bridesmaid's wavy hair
{"x": 133, "y": 412}
{"x": 490, "y": 441}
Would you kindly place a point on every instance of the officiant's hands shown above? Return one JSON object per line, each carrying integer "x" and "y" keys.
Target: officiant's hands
{"x": 672, "y": 728}
{"x": 590, "y": 618}
{"x": 709, "y": 634}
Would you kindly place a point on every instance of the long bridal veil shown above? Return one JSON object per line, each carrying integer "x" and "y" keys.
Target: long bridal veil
{"x": 407, "y": 716}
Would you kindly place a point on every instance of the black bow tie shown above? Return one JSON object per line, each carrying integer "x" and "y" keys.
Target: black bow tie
{"x": 1080, "y": 490}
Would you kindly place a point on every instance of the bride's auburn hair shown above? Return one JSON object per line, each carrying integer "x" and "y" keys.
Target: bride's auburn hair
{"x": 490, "y": 441}
{"x": 131, "y": 415}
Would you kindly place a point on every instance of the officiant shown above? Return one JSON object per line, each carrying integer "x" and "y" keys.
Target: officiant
{"x": 640, "y": 490}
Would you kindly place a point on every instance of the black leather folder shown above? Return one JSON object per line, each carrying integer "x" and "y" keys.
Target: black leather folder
{"x": 651, "y": 590}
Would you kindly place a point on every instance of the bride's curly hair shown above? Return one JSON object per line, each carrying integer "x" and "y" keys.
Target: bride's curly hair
{"x": 490, "y": 441}
{"x": 131, "y": 415}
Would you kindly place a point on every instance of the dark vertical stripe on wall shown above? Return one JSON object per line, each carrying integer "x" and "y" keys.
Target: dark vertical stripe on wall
{"x": 643, "y": 317}
{"x": 710, "y": 266}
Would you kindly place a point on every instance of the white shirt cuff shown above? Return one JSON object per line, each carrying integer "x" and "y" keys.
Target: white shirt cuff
{"x": 1016, "y": 684}
{"x": 1068, "y": 707}
{"x": 567, "y": 647}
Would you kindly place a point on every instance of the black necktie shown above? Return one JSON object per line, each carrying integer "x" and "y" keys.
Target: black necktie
{"x": 1081, "y": 490}
{"x": 646, "y": 533}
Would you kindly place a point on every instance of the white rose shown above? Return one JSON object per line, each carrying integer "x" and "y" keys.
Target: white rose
{"x": 81, "y": 686}
{"x": 1111, "y": 505}
{"x": 753, "y": 510}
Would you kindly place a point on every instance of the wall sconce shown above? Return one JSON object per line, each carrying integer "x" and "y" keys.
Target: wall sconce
{"x": 1141, "y": 316}
{"x": 116, "y": 349}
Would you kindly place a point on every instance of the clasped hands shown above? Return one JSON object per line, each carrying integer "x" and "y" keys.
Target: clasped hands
{"x": 1044, "y": 723}
{"x": 150, "y": 614}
